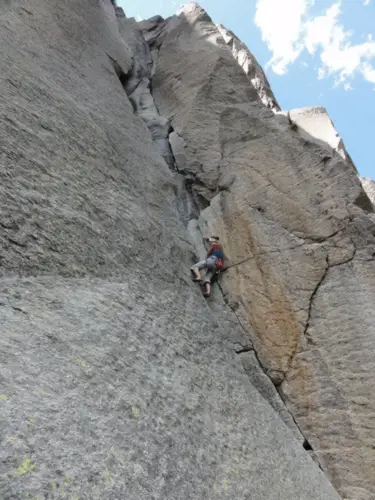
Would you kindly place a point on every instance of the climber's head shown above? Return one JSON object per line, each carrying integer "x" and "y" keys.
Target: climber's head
{"x": 212, "y": 239}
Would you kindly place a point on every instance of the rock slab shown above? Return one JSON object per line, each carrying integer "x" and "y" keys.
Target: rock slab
{"x": 298, "y": 228}
{"x": 117, "y": 380}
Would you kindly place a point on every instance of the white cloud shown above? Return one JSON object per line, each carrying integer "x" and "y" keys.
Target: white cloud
{"x": 338, "y": 55}
{"x": 322, "y": 35}
{"x": 281, "y": 29}
{"x": 322, "y": 30}
{"x": 321, "y": 73}
{"x": 369, "y": 73}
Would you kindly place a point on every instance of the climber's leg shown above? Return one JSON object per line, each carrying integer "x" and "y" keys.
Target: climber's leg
{"x": 209, "y": 275}
{"x": 207, "y": 289}
{"x": 195, "y": 270}
{"x": 211, "y": 270}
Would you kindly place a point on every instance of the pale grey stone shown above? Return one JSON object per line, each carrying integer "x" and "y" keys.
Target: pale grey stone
{"x": 137, "y": 84}
{"x": 251, "y": 67}
{"x": 369, "y": 187}
{"x": 178, "y": 147}
{"x": 264, "y": 385}
{"x": 295, "y": 225}
{"x": 118, "y": 380}
{"x": 314, "y": 122}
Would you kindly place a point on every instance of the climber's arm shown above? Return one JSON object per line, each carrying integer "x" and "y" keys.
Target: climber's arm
{"x": 209, "y": 251}
{"x": 205, "y": 243}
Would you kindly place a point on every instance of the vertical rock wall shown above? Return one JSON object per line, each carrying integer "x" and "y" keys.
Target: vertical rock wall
{"x": 298, "y": 230}
{"x": 117, "y": 379}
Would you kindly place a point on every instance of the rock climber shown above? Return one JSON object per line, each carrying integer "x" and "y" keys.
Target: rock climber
{"x": 213, "y": 263}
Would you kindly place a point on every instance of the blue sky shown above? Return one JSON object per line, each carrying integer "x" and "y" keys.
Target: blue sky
{"x": 314, "y": 52}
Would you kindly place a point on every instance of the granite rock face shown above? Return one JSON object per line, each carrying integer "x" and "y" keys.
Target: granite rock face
{"x": 298, "y": 229}
{"x": 120, "y": 145}
{"x": 251, "y": 67}
{"x": 137, "y": 85}
{"x": 369, "y": 187}
{"x": 314, "y": 122}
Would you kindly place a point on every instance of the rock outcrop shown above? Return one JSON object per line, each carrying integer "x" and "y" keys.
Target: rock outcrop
{"x": 369, "y": 187}
{"x": 121, "y": 144}
{"x": 292, "y": 214}
{"x": 315, "y": 123}
{"x": 251, "y": 68}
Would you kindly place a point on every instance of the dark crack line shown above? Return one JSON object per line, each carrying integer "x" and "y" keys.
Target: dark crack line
{"x": 313, "y": 295}
{"x": 245, "y": 332}
{"x": 17, "y": 243}
{"x": 325, "y": 238}
{"x": 19, "y": 310}
{"x": 311, "y": 304}
{"x": 306, "y": 444}
{"x": 6, "y": 226}
{"x": 245, "y": 349}
{"x": 15, "y": 308}
{"x": 350, "y": 259}
{"x": 320, "y": 283}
